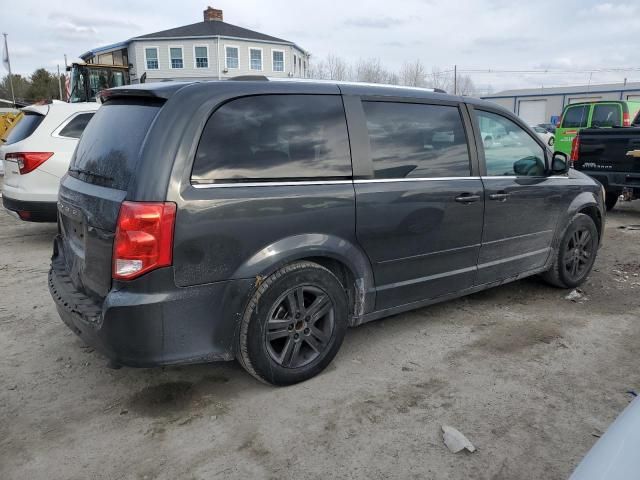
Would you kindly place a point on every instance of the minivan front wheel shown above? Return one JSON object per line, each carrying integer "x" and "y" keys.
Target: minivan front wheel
{"x": 576, "y": 253}
{"x": 294, "y": 324}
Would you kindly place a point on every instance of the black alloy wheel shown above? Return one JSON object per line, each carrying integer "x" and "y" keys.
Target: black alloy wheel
{"x": 300, "y": 326}
{"x": 294, "y": 324}
{"x": 577, "y": 254}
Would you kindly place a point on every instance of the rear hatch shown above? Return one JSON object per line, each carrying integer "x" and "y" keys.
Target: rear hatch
{"x": 610, "y": 150}
{"x": 91, "y": 193}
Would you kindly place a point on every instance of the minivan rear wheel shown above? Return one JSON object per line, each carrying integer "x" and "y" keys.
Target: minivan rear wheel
{"x": 293, "y": 325}
{"x": 575, "y": 254}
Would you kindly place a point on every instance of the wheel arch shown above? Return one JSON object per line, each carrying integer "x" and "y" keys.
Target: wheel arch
{"x": 586, "y": 203}
{"x": 595, "y": 215}
{"x": 342, "y": 257}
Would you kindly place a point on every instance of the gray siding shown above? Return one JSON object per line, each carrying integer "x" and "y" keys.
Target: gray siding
{"x": 217, "y": 67}
{"x": 555, "y": 102}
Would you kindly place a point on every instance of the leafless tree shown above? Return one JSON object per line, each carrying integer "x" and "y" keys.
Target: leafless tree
{"x": 465, "y": 85}
{"x": 440, "y": 79}
{"x": 337, "y": 68}
{"x": 371, "y": 70}
{"x": 413, "y": 74}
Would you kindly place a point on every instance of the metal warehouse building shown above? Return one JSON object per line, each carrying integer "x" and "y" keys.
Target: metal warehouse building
{"x": 544, "y": 105}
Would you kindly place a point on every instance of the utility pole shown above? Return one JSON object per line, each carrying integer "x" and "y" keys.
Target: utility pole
{"x": 7, "y": 62}
{"x": 455, "y": 79}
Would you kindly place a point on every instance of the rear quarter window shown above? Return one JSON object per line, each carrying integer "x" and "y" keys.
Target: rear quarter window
{"x": 25, "y": 127}
{"x": 274, "y": 137}
{"x": 109, "y": 150}
{"x": 576, "y": 117}
{"x": 75, "y": 126}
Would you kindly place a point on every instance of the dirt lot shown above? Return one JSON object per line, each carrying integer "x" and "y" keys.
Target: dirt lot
{"x": 526, "y": 374}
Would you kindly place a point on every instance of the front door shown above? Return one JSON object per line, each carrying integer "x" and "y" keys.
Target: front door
{"x": 420, "y": 217}
{"x": 522, "y": 203}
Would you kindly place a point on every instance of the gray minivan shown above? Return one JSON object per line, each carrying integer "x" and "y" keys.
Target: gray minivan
{"x": 258, "y": 219}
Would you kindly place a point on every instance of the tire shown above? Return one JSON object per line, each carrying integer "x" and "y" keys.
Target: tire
{"x": 575, "y": 255}
{"x": 552, "y": 140}
{"x": 285, "y": 339}
{"x": 610, "y": 200}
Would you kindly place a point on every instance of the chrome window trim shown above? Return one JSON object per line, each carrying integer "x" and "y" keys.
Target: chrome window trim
{"x": 512, "y": 177}
{"x": 325, "y": 182}
{"x": 272, "y": 184}
{"x": 417, "y": 179}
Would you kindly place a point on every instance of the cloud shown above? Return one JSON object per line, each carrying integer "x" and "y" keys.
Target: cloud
{"x": 92, "y": 23}
{"x": 374, "y": 22}
{"x": 613, "y": 9}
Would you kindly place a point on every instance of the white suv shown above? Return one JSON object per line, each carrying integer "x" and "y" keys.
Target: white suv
{"x": 37, "y": 154}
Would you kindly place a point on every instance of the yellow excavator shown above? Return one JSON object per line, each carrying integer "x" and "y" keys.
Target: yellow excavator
{"x": 7, "y": 121}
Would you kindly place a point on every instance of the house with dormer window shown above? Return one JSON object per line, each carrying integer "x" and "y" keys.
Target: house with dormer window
{"x": 207, "y": 50}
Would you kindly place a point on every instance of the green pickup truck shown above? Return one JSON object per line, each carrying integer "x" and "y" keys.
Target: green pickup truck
{"x": 607, "y": 113}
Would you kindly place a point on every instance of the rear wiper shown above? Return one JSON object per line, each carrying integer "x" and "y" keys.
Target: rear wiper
{"x": 89, "y": 173}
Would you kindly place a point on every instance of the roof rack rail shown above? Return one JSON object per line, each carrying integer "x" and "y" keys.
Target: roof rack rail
{"x": 251, "y": 78}
{"x": 263, "y": 78}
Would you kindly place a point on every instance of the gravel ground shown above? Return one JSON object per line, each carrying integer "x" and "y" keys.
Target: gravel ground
{"x": 526, "y": 374}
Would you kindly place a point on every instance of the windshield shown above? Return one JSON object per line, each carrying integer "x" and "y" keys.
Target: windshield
{"x": 25, "y": 127}
{"x": 88, "y": 81}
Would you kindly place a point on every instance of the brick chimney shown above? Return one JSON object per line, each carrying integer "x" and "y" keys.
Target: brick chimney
{"x": 211, "y": 14}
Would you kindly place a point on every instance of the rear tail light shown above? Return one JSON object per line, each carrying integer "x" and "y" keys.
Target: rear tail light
{"x": 144, "y": 238}
{"x": 575, "y": 149}
{"x": 626, "y": 121}
{"x": 28, "y": 161}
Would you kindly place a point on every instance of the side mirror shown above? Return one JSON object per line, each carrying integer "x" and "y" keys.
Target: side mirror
{"x": 529, "y": 167}
{"x": 559, "y": 164}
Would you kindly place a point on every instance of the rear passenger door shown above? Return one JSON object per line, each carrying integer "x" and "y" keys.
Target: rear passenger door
{"x": 521, "y": 202}
{"x": 418, "y": 208}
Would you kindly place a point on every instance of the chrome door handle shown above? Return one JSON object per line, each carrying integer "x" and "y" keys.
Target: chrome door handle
{"x": 501, "y": 196}
{"x": 466, "y": 198}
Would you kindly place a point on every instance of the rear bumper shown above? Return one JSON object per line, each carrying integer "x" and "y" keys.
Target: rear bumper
{"x": 31, "y": 211}
{"x": 149, "y": 321}
{"x": 615, "y": 180}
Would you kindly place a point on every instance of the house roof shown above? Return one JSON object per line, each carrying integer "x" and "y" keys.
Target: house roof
{"x": 106, "y": 48}
{"x": 608, "y": 87}
{"x": 211, "y": 28}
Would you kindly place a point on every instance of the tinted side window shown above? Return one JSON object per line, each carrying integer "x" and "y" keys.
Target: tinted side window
{"x": 271, "y": 137}
{"x": 508, "y": 149}
{"x": 576, "y": 117}
{"x": 607, "y": 115}
{"x": 25, "y": 127}
{"x": 416, "y": 140}
{"x": 76, "y": 126}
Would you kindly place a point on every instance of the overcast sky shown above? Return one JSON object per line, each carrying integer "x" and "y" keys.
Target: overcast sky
{"x": 474, "y": 34}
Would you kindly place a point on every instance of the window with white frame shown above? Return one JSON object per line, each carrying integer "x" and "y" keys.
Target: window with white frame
{"x": 201, "y": 55}
{"x": 176, "y": 57}
{"x": 232, "y": 57}
{"x": 151, "y": 58}
{"x": 278, "y": 60}
{"x": 255, "y": 55}
{"x": 295, "y": 63}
